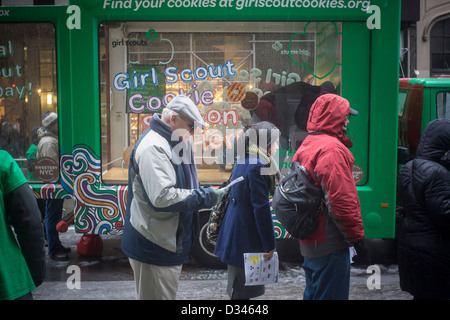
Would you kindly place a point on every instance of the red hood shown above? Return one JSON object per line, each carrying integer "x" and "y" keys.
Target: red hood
{"x": 328, "y": 113}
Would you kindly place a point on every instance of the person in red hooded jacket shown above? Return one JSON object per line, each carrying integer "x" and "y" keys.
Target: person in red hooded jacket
{"x": 325, "y": 152}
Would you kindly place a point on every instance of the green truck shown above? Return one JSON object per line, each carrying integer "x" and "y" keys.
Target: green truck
{"x": 420, "y": 101}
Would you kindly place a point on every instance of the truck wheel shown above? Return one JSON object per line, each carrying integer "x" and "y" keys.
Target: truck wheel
{"x": 203, "y": 252}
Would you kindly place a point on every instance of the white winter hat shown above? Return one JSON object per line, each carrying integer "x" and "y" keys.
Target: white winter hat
{"x": 49, "y": 118}
{"x": 185, "y": 107}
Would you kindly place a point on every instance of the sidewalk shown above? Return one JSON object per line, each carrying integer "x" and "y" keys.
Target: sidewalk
{"x": 289, "y": 287}
{"x": 109, "y": 277}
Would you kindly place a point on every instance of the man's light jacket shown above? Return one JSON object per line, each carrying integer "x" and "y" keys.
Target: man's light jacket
{"x": 163, "y": 199}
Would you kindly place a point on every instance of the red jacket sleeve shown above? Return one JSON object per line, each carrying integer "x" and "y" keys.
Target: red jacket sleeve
{"x": 335, "y": 170}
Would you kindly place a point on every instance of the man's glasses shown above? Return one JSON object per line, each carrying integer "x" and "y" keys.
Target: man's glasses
{"x": 190, "y": 125}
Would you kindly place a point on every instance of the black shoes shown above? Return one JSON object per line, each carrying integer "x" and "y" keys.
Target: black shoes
{"x": 61, "y": 254}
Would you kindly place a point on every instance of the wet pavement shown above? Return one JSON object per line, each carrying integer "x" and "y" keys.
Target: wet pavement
{"x": 109, "y": 277}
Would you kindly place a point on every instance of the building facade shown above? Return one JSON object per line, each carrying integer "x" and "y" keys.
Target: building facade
{"x": 425, "y": 38}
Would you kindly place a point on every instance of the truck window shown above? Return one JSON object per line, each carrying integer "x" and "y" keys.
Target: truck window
{"x": 28, "y": 91}
{"x": 401, "y": 102}
{"x": 227, "y": 68}
{"x": 443, "y": 105}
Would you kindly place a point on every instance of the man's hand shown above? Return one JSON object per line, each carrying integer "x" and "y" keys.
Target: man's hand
{"x": 362, "y": 252}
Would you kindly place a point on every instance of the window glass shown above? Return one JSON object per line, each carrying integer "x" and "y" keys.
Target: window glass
{"x": 237, "y": 73}
{"x": 443, "y": 105}
{"x": 28, "y": 93}
{"x": 440, "y": 47}
{"x": 401, "y": 102}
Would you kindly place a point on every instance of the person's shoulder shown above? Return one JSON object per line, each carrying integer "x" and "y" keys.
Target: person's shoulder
{"x": 431, "y": 170}
{"x": 153, "y": 144}
{"x": 5, "y": 158}
{"x": 10, "y": 173}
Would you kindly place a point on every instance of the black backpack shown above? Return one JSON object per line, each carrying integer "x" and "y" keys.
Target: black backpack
{"x": 297, "y": 201}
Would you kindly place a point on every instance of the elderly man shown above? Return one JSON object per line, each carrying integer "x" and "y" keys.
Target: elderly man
{"x": 163, "y": 199}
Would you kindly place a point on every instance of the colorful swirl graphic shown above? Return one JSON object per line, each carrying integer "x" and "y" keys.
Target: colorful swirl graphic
{"x": 67, "y": 173}
{"x": 99, "y": 209}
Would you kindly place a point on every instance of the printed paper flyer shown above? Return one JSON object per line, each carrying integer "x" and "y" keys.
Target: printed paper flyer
{"x": 257, "y": 271}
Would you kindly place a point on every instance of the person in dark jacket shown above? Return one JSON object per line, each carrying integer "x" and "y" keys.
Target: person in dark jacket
{"x": 424, "y": 193}
{"x": 22, "y": 254}
{"x": 247, "y": 226}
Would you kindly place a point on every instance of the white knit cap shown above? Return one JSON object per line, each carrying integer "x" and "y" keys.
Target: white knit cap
{"x": 49, "y": 118}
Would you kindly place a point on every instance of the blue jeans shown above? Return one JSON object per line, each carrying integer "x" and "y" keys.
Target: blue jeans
{"x": 53, "y": 214}
{"x": 328, "y": 277}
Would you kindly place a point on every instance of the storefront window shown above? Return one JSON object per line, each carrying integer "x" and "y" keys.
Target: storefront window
{"x": 236, "y": 73}
{"x": 28, "y": 93}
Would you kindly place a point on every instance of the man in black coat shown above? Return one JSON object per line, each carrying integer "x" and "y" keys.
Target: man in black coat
{"x": 424, "y": 192}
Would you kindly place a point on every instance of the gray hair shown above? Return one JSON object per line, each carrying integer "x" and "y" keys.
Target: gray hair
{"x": 167, "y": 113}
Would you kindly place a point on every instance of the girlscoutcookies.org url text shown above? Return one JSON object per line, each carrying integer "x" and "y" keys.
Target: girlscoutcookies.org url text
{"x": 136, "y": 5}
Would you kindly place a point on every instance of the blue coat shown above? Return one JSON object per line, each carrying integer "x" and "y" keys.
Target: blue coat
{"x": 247, "y": 226}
